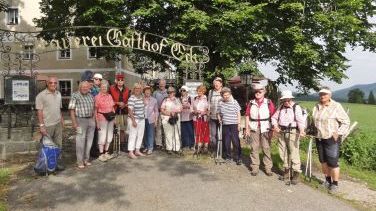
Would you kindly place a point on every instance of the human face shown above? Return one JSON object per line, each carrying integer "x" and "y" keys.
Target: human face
{"x": 147, "y": 93}
{"x": 171, "y": 94}
{"x": 52, "y": 84}
{"x": 200, "y": 93}
{"x": 103, "y": 88}
{"x": 286, "y": 102}
{"x": 137, "y": 90}
{"x": 217, "y": 85}
{"x": 324, "y": 98}
{"x": 226, "y": 96}
{"x": 259, "y": 94}
{"x": 184, "y": 92}
{"x": 85, "y": 88}
{"x": 97, "y": 81}
{"x": 120, "y": 81}
{"x": 162, "y": 84}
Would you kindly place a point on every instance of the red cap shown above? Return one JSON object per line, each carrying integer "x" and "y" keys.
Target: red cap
{"x": 119, "y": 76}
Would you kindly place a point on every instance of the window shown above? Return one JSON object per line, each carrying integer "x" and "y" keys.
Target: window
{"x": 65, "y": 88}
{"x": 64, "y": 54}
{"x": 28, "y": 53}
{"x": 12, "y": 16}
{"x": 92, "y": 52}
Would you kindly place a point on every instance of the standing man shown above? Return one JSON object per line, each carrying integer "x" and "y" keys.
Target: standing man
{"x": 81, "y": 108}
{"x": 48, "y": 104}
{"x": 214, "y": 97}
{"x": 331, "y": 122}
{"x": 258, "y": 116}
{"x": 289, "y": 121}
{"x": 97, "y": 78}
{"x": 120, "y": 94}
{"x": 160, "y": 95}
{"x": 229, "y": 116}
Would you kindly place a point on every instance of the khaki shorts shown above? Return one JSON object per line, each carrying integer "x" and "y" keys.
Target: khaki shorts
{"x": 121, "y": 121}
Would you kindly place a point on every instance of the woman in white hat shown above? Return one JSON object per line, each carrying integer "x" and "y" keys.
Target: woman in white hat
{"x": 170, "y": 110}
{"x": 187, "y": 136}
{"x": 289, "y": 121}
{"x": 331, "y": 122}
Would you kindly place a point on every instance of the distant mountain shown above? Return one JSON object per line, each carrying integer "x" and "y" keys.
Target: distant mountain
{"x": 341, "y": 95}
{"x": 366, "y": 88}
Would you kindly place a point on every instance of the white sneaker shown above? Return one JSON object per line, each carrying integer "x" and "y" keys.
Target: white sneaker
{"x": 108, "y": 156}
{"x": 102, "y": 158}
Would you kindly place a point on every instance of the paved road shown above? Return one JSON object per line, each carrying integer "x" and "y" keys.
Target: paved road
{"x": 159, "y": 182}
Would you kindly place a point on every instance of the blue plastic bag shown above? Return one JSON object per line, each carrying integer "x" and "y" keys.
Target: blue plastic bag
{"x": 48, "y": 156}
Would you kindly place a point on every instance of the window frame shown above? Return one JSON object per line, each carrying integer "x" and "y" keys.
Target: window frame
{"x": 60, "y": 88}
{"x": 58, "y": 54}
{"x": 28, "y": 52}
{"x": 7, "y": 16}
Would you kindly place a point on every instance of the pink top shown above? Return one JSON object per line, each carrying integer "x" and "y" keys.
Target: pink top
{"x": 186, "y": 113}
{"x": 104, "y": 104}
{"x": 200, "y": 105}
{"x": 284, "y": 116}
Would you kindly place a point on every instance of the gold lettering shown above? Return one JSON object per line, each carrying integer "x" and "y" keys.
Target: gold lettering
{"x": 100, "y": 41}
{"x": 127, "y": 42}
{"x": 161, "y": 45}
{"x": 93, "y": 40}
{"x": 155, "y": 47}
{"x": 56, "y": 44}
{"x": 84, "y": 38}
{"x": 115, "y": 33}
{"x": 138, "y": 40}
{"x": 145, "y": 43}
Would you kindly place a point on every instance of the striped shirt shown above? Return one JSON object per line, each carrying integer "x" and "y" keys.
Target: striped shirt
{"x": 229, "y": 111}
{"x": 330, "y": 119}
{"x": 137, "y": 105}
{"x": 83, "y": 104}
{"x": 214, "y": 98}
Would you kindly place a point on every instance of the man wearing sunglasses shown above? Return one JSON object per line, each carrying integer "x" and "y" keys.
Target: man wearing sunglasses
{"x": 96, "y": 84}
{"x": 48, "y": 104}
{"x": 120, "y": 94}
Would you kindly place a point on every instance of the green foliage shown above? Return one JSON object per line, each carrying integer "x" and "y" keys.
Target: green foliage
{"x": 355, "y": 96}
{"x": 360, "y": 150}
{"x": 371, "y": 99}
{"x": 305, "y": 39}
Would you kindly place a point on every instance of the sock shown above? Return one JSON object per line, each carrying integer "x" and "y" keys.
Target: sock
{"x": 335, "y": 183}
{"x": 328, "y": 179}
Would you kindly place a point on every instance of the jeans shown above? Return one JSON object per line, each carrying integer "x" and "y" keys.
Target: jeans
{"x": 149, "y": 135}
{"x": 231, "y": 133}
{"x": 187, "y": 135}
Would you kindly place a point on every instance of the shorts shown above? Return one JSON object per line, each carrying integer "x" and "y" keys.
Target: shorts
{"x": 121, "y": 121}
{"x": 328, "y": 151}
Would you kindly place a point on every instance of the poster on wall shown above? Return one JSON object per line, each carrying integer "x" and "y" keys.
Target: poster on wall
{"x": 20, "y": 90}
{"x": 192, "y": 87}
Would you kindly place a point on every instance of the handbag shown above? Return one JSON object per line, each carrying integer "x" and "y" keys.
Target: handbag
{"x": 109, "y": 116}
{"x": 173, "y": 120}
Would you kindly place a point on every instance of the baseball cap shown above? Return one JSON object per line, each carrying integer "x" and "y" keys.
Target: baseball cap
{"x": 98, "y": 75}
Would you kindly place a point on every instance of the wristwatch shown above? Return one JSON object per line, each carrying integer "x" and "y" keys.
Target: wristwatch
{"x": 41, "y": 125}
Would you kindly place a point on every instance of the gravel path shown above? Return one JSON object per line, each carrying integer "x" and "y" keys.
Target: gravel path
{"x": 161, "y": 182}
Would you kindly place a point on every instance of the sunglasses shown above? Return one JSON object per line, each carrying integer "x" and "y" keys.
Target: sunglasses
{"x": 120, "y": 79}
{"x": 52, "y": 82}
{"x": 98, "y": 79}
{"x": 183, "y": 90}
{"x": 170, "y": 92}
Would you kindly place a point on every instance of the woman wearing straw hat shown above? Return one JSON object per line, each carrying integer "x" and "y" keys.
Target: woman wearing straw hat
{"x": 288, "y": 120}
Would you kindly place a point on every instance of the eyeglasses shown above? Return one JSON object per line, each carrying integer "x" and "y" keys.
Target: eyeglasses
{"x": 170, "y": 92}
{"x": 183, "y": 90}
{"x": 52, "y": 82}
{"x": 258, "y": 92}
{"x": 120, "y": 79}
{"x": 97, "y": 79}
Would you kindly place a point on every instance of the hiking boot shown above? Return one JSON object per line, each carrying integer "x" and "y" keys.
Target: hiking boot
{"x": 254, "y": 172}
{"x": 326, "y": 184}
{"x": 102, "y": 158}
{"x": 285, "y": 175}
{"x": 238, "y": 162}
{"x": 333, "y": 189}
{"x": 108, "y": 156}
{"x": 295, "y": 178}
{"x": 269, "y": 173}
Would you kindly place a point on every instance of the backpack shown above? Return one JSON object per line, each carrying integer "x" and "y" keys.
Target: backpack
{"x": 304, "y": 114}
{"x": 270, "y": 112}
{"x": 47, "y": 157}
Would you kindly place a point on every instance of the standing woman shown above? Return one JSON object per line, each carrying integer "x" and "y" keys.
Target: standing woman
{"x": 104, "y": 104}
{"x": 136, "y": 123}
{"x": 331, "y": 122}
{"x": 151, "y": 114}
{"x": 187, "y": 135}
{"x": 170, "y": 110}
{"x": 200, "y": 111}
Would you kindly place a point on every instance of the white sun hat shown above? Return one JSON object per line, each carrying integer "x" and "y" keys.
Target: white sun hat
{"x": 98, "y": 75}
{"x": 286, "y": 94}
{"x": 184, "y": 87}
{"x": 257, "y": 86}
{"x": 325, "y": 90}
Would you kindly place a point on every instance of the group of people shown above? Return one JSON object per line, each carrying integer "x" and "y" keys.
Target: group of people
{"x": 161, "y": 119}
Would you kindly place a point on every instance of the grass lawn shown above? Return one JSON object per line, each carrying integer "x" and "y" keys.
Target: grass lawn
{"x": 4, "y": 180}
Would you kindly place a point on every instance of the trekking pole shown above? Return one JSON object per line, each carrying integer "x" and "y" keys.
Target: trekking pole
{"x": 218, "y": 159}
{"x": 288, "y": 154}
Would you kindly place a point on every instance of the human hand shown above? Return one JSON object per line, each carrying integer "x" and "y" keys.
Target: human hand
{"x": 302, "y": 133}
{"x": 277, "y": 129}
{"x": 134, "y": 123}
{"x": 335, "y": 136}
{"x": 43, "y": 131}
{"x": 247, "y": 132}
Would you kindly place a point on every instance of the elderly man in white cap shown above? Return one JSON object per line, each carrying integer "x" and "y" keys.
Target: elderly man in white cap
{"x": 214, "y": 97}
{"x": 258, "y": 126}
{"x": 331, "y": 122}
{"x": 289, "y": 121}
{"x": 97, "y": 78}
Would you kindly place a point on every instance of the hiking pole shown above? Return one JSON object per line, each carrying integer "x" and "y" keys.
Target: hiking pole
{"x": 218, "y": 159}
{"x": 288, "y": 153}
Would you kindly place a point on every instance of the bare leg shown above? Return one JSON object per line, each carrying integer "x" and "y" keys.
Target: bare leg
{"x": 334, "y": 173}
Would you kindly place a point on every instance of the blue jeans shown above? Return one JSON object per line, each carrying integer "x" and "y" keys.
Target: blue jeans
{"x": 187, "y": 134}
{"x": 149, "y": 135}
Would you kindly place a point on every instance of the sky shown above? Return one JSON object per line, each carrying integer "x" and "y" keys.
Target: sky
{"x": 362, "y": 70}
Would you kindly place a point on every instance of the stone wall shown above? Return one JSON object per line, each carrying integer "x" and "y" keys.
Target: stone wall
{"x": 21, "y": 141}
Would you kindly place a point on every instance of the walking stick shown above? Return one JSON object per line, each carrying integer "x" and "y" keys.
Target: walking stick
{"x": 219, "y": 159}
{"x": 308, "y": 170}
{"x": 289, "y": 154}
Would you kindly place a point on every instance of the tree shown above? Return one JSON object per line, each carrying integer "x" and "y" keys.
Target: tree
{"x": 371, "y": 99}
{"x": 305, "y": 39}
{"x": 355, "y": 96}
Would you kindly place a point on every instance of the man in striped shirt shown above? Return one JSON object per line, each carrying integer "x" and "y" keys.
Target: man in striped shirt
{"x": 289, "y": 121}
{"x": 331, "y": 122}
{"x": 81, "y": 107}
{"x": 228, "y": 114}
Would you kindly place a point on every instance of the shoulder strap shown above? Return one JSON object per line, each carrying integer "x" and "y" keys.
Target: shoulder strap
{"x": 210, "y": 95}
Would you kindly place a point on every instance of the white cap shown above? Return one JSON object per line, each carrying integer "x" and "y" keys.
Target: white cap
{"x": 325, "y": 90}
{"x": 184, "y": 87}
{"x": 98, "y": 75}
{"x": 286, "y": 94}
{"x": 257, "y": 86}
